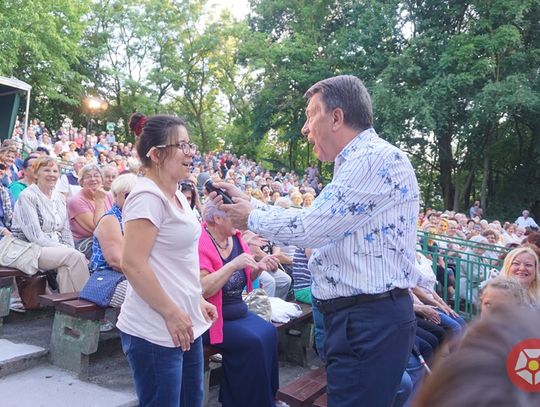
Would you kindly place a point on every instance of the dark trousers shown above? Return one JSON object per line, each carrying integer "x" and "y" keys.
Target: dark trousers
{"x": 367, "y": 347}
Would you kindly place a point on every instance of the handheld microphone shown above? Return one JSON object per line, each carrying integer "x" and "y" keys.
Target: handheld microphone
{"x": 209, "y": 186}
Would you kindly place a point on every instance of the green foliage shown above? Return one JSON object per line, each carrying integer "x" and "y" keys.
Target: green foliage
{"x": 454, "y": 83}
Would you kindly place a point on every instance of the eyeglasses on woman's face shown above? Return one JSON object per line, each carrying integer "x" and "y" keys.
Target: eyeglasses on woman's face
{"x": 187, "y": 148}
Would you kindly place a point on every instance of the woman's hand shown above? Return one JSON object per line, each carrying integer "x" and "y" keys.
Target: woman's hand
{"x": 100, "y": 193}
{"x": 430, "y": 313}
{"x": 269, "y": 263}
{"x": 180, "y": 328}
{"x": 448, "y": 311}
{"x": 209, "y": 311}
{"x": 243, "y": 261}
{"x": 253, "y": 239}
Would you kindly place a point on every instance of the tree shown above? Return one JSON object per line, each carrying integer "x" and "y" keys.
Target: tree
{"x": 40, "y": 45}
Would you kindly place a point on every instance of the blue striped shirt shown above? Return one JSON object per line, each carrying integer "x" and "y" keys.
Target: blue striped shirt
{"x": 362, "y": 226}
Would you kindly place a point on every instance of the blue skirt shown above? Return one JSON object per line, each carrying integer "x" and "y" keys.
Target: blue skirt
{"x": 250, "y": 362}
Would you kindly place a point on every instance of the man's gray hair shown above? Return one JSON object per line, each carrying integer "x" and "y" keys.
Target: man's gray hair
{"x": 348, "y": 93}
{"x": 210, "y": 211}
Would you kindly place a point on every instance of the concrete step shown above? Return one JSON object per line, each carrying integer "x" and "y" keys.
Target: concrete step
{"x": 15, "y": 357}
{"x": 47, "y": 385}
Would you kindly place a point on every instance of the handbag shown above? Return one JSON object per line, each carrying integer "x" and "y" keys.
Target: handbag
{"x": 100, "y": 286}
{"x": 19, "y": 254}
{"x": 259, "y": 303}
{"x": 30, "y": 288}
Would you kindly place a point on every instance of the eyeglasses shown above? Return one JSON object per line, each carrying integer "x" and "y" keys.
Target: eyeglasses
{"x": 187, "y": 148}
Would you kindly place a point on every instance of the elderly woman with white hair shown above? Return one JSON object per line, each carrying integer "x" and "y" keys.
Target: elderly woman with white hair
{"x": 107, "y": 246}
{"x": 247, "y": 342}
{"x": 87, "y": 207}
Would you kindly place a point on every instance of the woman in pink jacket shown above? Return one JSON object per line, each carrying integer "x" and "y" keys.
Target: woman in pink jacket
{"x": 247, "y": 342}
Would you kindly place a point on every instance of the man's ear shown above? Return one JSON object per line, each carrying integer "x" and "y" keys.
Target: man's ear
{"x": 338, "y": 118}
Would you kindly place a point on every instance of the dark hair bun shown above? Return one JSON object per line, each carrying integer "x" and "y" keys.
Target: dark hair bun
{"x": 135, "y": 121}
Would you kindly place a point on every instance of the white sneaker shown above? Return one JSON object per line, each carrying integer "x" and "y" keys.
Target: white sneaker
{"x": 16, "y": 305}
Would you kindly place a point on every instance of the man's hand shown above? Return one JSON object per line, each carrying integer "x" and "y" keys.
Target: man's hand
{"x": 238, "y": 212}
{"x": 232, "y": 191}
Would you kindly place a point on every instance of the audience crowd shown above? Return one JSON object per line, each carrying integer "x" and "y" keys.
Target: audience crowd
{"x": 64, "y": 191}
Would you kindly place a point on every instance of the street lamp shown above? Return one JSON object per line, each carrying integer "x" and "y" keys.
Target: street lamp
{"x": 94, "y": 105}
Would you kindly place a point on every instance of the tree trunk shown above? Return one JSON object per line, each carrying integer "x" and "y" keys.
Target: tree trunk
{"x": 444, "y": 143}
{"x": 467, "y": 189}
{"x": 489, "y": 136}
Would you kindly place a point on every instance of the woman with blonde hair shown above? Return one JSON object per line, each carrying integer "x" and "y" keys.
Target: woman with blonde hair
{"x": 522, "y": 264}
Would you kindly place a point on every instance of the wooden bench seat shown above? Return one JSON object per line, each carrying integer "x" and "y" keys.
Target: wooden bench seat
{"x": 303, "y": 391}
{"x": 6, "y": 287}
{"x": 75, "y": 332}
{"x": 321, "y": 401}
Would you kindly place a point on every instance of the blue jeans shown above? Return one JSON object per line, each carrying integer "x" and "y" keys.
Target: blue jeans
{"x": 456, "y": 325}
{"x": 367, "y": 347}
{"x": 318, "y": 322}
{"x": 165, "y": 377}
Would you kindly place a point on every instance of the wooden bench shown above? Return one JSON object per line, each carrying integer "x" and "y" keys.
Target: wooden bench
{"x": 6, "y": 288}
{"x": 321, "y": 401}
{"x": 305, "y": 390}
{"x": 75, "y": 331}
{"x": 296, "y": 336}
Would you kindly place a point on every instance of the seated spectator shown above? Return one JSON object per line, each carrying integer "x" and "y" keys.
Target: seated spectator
{"x": 28, "y": 178}
{"x": 8, "y": 156}
{"x": 87, "y": 207}
{"x": 424, "y": 291}
{"x": 501, "y": 292}
{"x": 109, "y": 236}
{"x": 275, "y": 196}
{"x": 190, "y": 192}
{"x": 265, "y": 191}
{"x": 522, "y": 264}
{"x": 30, "y": 142}
{"x": 247, "y": 342}
{"x": 474, "y": 269}
{"x": 302, "y": 293}
{"x": 110, "y": 172}
{"x": 296, "y": 200}
{"x": 307, "y": 199}
{"x": 276, "y": 282}
{"x": 40, "y": 217}
{"x": 68, "y": 184}
{"x": 476, "y": 211}
{"x": 6, "y": 206}
{"x": 493, "y": 238}
{"x": 525, "y": 221}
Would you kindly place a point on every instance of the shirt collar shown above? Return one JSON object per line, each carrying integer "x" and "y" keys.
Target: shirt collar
{"x": 354, "y": 145}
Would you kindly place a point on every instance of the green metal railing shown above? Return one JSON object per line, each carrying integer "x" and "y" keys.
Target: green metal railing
{"x": 461, "y": 266}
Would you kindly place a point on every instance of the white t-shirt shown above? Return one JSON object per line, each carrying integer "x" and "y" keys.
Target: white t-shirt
{"x": 174, "y": 259}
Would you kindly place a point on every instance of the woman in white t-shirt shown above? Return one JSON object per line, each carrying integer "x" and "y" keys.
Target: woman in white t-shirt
{"x": 164, "y": 314}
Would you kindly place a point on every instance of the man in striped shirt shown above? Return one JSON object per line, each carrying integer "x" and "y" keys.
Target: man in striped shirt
{"x": 362, "y": 229}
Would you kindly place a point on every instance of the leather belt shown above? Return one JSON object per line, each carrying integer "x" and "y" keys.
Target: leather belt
{"x": 337, "y": 304}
